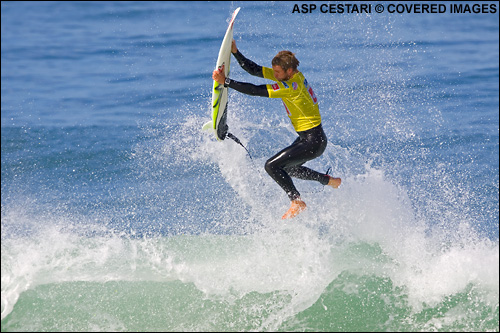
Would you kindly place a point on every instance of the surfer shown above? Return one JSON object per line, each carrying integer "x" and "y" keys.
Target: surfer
{"x": 302, "y": 108}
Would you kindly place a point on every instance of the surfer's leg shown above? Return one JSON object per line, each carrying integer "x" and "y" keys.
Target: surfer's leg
{"x": 315, "y": 142}
{"x": 302, "y": 172}
{"x": 275, "y": 167}
{"x": 312, "y": 143}
{"x": 288, "y": 162}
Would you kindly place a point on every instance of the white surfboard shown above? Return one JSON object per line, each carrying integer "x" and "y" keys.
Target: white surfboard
{"x": 219, "y": 94}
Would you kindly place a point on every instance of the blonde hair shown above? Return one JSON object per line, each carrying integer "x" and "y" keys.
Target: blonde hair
{"x": 286, "y": 60}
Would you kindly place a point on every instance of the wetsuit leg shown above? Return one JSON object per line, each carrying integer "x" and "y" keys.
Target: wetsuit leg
{"x": 288, "y": 162}
{"x": 301, "y": 172}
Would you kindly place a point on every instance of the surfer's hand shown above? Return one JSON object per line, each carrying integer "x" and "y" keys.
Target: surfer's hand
{"x": 218, "y": 75}
{"x": 234, "y": 49}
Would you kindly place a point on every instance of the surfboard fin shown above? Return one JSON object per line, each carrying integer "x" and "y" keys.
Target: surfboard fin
{"x": 208, "y": 126}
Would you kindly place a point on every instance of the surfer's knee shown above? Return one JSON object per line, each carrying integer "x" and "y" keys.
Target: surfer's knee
{"x": 270, "y": 167}
{"x": 273, "y": 167}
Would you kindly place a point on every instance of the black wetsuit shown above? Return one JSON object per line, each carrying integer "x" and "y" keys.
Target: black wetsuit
{"x": 288, "y": 162}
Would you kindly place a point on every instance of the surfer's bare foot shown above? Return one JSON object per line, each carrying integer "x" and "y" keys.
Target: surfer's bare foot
{"x": 296, "y": 207}
{"x": 334, "y": 182}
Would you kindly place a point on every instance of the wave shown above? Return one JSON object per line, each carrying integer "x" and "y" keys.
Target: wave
{"x": 286, "y": 278}
{"x": 216, "y": 256}
{"x": 359, "y": 259}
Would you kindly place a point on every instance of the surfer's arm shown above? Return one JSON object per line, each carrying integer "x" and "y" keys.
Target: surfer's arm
{"x": 243, "y": 87}
{"x": 248, "y": 65}
{"x": 248, "y": 88}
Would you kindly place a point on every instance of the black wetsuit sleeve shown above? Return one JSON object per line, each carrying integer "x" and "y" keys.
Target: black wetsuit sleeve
{"x": 249, "y": 89}
{"x": 248, "y": 65}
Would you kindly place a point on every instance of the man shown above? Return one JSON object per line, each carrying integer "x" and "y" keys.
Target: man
{"x": 302, "y": 108}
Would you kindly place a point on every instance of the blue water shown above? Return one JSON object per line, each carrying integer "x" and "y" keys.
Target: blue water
{"x": 118, "y": 213}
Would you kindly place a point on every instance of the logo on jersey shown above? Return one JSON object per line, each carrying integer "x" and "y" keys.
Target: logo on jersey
{"x": 311, "y": 92}
{"x": 287, "y": 111}
{"x": 275, "y": 87}
{"x": 313, "y": 95}
{"x": 295, "y": 86}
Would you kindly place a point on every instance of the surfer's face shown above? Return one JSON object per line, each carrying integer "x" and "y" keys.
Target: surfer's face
{"x": 282, "y": 75}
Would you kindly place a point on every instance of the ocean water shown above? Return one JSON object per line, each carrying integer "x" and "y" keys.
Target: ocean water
{"x": 119, "y": 214}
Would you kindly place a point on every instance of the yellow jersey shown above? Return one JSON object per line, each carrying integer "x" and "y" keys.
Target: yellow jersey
{"x": 300, "y": 102}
